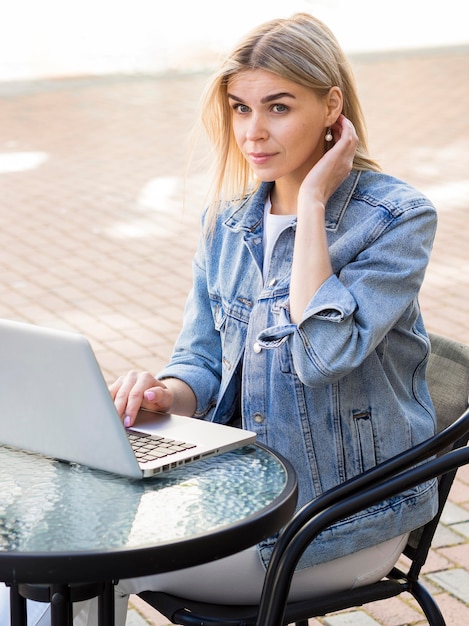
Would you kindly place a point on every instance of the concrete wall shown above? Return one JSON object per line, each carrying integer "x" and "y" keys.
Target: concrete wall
{"x": 55, "y": 38}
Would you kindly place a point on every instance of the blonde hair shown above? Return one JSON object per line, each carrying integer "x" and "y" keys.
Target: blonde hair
{"x": 301, "y": 49}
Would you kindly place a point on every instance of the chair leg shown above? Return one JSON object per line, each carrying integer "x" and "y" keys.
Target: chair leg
{"x": 302, "y": 622}
{"x": 428, "y": 605}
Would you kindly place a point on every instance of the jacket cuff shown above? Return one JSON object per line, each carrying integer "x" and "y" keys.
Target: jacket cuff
{"x": 332, "y": 302}
{"x": 203, "y": 386}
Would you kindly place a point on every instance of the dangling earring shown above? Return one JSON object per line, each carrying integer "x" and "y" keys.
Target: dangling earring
{"x": 329, "y": 136}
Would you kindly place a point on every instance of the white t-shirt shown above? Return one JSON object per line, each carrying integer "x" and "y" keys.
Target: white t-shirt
{"x": 273, "y": 226}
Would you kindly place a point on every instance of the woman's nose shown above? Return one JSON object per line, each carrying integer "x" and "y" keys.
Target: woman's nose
{"x": 256, "y": 129}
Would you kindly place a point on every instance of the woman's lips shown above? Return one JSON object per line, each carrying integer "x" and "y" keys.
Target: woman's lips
{"x": 260, "y": 158}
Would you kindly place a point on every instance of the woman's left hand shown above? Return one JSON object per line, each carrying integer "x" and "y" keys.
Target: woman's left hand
{"x": 334, "y": 167}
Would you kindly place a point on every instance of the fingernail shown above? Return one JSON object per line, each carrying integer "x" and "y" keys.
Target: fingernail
{"x": 150, "y": 395}
{"x": 127, "y": 421}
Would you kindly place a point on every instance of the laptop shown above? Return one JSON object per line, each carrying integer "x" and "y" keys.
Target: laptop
{"x": 54, "y": 401}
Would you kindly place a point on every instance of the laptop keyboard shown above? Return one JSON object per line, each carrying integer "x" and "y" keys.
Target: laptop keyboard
{"x": 152, "y": 447}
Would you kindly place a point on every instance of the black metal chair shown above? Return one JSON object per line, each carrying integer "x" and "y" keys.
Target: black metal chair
{"x": 440, "y": 456}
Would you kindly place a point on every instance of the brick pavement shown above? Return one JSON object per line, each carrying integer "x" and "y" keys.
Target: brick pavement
{"x": 98, "y": 224}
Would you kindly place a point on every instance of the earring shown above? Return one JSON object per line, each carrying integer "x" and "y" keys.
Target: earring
{"x": 328, "y": 136}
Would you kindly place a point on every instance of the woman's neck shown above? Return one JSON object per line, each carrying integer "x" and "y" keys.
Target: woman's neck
{"x": 283, "y": 200}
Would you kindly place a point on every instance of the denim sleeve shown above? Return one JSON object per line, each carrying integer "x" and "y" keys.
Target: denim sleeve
{"x": 196, "y": 358}
{"x": 356, "y": 307}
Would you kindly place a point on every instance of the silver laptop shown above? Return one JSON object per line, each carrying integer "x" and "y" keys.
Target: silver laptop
{"x": 54, "y": 401}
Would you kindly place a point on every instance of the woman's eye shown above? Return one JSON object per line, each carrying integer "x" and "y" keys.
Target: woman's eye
{"x": 280, "y": 108}
{"x": 241, "y": 108}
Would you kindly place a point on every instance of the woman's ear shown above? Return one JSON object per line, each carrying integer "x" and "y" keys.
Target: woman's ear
{"x": 334, "y": 103}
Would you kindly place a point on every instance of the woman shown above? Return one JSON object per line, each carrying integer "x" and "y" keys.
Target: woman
{"x": 303, "y": 323}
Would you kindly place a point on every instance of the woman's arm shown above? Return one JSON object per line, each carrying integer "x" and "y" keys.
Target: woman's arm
{"x": 195, "y": 363}
{"x": 311, "y": 261}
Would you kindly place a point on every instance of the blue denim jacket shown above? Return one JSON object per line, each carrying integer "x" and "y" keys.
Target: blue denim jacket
{"x": 345, "y": 388}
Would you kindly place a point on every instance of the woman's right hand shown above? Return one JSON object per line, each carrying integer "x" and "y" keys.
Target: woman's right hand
{"x": 138, "y": 390}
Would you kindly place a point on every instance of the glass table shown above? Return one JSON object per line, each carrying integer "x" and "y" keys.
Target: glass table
{"x": 68, "y": 532}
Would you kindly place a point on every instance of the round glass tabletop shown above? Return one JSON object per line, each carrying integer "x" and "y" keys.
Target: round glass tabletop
{"x": 52, "y": 508}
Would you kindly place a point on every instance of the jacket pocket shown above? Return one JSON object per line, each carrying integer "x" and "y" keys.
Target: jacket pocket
{"x": 364, "y": 436}
{"x": 218, "y": 313}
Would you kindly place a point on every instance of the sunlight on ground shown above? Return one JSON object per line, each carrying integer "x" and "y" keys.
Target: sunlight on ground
{"x": 21, "y": 161}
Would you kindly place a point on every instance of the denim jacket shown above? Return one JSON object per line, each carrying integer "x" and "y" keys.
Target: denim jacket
{"x": 345, "y": 388}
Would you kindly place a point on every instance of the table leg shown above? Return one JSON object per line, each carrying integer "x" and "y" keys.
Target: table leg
{"x": 61, "y": 598}
{"x": 61, "y": 606}
{"x": 18, "y": 615}
{"x": 106, "y": 605}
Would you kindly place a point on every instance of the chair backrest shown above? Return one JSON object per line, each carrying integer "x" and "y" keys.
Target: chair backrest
{"x": 448, "y": 382}
{"x": 448, "y": 379}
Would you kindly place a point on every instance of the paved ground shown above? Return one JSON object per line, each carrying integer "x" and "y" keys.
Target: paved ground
{"x": 98, "y": 227}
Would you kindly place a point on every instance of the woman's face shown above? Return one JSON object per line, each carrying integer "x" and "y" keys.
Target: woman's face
{"x": 278, "y": 125}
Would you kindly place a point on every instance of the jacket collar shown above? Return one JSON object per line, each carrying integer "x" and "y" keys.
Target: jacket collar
{"x": 340, "y": 199}
{"x": 248, "y": 215}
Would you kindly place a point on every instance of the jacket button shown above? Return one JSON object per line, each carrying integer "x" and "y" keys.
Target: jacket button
{"x": 258, "y": 418}
{"x": 272, "y": 282}
{"x": 257, "y": 348}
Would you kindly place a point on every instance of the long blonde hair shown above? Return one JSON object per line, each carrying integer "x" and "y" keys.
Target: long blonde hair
{"x": 301, "y": 49}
